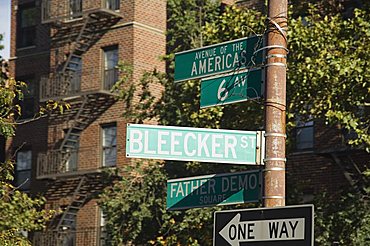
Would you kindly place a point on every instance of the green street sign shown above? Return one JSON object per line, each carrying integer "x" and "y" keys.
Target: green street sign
{"x": 218, "y": 58}
{"x": 194, "y": 144}
{"x": 231, "y": 88}
{"x": 217, "y": 189}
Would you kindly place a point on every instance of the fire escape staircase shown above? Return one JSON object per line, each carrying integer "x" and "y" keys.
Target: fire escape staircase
{"x": 86, "y": 106}
{"x": 84, "y": 40}
{"x": 71, "y": 138}
{"x": 351, "y": 171}
{"x": 84, "y": 33}
{"x": 68, "y": 218}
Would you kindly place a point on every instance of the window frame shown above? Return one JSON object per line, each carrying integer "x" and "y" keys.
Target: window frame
{"x": 109, "y": 73}
{"x": 29, "y": 97}
{"x": 23, "y": 40}
{"x": 306, "y": 145}
{"x": 103, "y": 147}
{"x": 21, "y": 185}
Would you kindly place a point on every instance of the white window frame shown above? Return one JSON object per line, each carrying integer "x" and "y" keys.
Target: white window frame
{"x": 110, "y": 146}
{"x": 23, "y": 165}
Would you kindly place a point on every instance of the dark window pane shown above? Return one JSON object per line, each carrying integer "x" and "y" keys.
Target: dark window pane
{"x": 24, "y": 160}
{"x": 28, "y": 103}
{"x": 109, "y": 156}
{"x": 23, "y": 179}
{"x": 109, "y": 143}
{"x": 27, "y": 25}
{"x": 28, "y": 17}
{"x": 112, "y": 4}
{"x": 23, "y": 169}
{"x": 305, "y": 136}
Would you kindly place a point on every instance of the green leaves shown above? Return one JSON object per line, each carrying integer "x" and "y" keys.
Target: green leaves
{"x": 18, "y": 211}
{"x": 327, "y": 60}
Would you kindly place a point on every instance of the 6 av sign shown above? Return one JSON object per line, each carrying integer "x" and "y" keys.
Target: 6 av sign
{"x": 231, "y": 88}
{"x": 280, "y": 226}
{"x": 194, "y": 144}
{"x": 219, "y": 58}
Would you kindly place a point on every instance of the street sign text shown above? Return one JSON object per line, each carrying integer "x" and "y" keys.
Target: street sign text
{"x": 193, "y": 144}
{"x": 214, "y": 59}
{"x": 217, "y": 189}
{"x": 231, "y": 88}
{"x": 288, "y": 226}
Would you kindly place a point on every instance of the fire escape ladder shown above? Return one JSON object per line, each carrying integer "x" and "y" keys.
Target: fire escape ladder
{"x": 80, "y": 45}
{"x": 350, "y": 170}
{"x": 71, "y": 138}
{"x": 68, "y": 217}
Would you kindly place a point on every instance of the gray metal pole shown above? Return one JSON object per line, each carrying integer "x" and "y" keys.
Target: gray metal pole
{"x": 275, "y": 104}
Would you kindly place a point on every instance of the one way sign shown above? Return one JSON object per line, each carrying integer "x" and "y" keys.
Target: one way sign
{"x": 288, "y": 226}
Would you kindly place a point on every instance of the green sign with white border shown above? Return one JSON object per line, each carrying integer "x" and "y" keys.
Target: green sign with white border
{"x": 219, "y": 58}
{"x": 216, "y": 189}
{"x": 194, "y": 144}
{"x": 232, "y": 88}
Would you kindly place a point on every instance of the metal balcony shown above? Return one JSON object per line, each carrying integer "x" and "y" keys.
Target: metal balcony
{"x": 55, "y": 86}
{"x": 56, "y": 163}
{"x": 92, "y": 236}
{"x": 69, "y": 10}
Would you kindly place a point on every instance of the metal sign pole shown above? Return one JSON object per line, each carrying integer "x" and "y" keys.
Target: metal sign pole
{"x": 275, "y": 104}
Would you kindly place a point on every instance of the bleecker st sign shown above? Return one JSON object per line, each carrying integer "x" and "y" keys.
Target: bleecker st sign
{"x": 217, "y": 189}
{"x": 193, "y": 144}
{"x": 214, "y": 59}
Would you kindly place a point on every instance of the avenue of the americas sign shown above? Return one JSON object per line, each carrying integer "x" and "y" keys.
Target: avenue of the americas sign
{"x": 218, "y": 58}
{"x": 194, "y": 144}
{"x": 279, "y": 226}
{"x": 216, "y": 189}
{"x": 231, "y": 88}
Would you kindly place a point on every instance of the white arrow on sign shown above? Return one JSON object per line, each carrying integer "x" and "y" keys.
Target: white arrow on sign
{"x": 237, "y": 231}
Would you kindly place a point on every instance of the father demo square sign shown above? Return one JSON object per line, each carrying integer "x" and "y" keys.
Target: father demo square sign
{"x": 218, "y": 58}
{"x": 193, "y": 144}
{"x": 216, "y": 189}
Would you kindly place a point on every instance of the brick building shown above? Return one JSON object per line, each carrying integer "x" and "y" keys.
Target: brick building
{"x": 69, "y": 50}
{"x": 320, "y": 160}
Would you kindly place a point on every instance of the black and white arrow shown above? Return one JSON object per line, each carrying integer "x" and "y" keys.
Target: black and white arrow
{"x": 237, "y": 231}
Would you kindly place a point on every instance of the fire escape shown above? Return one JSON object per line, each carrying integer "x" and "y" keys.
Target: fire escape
{"x": 78, "y": 25}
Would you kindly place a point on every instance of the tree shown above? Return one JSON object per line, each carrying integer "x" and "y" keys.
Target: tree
{"x": 18, "y": 211}
{"x": 343, "y": 102}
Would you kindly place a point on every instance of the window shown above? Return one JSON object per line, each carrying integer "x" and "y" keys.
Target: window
{"x": 28, "y": 103}
{"x": 75, "y": 8}
{"x": 27, "y": 19}
{"x": 110, "y": 67}
{"x": 102, "y": 227}
{"x": 75, "y": 65}
{"x": 305, "y": 135}
{"x": 112, "y": 4}
{"x": 71, "y": 153}
{"x": 23, "y": 169}
{"x": 109, "y": 143}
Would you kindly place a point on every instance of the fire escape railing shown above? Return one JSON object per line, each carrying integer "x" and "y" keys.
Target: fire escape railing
{"x": 68, "y": 10}
{"x": 84, "y": 236}
{"x": 52, "y": 85}
{"x": 52, "y": 163}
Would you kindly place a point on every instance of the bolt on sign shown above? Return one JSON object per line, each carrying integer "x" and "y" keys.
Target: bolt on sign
{"x": 194, "y": 144}
{"x": 216, "y": 189}
{"x": 231, "y": 88}
{"x": 218, "y": 58}
{"x": 279, "y": 226}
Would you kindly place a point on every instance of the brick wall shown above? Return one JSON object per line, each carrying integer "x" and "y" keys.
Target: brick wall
{"x": 140, "y": 37}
